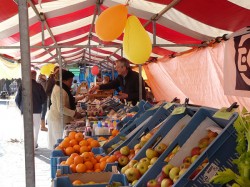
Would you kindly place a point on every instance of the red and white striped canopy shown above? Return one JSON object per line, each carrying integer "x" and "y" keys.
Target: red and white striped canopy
{"x": 188, "y": 22}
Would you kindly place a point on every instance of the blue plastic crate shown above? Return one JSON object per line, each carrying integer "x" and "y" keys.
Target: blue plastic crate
{"x": 214, "y": 152}
{"x": 160, "y": 115}
{"x": 169, "y": 123}
{"x": 107, "y": 177}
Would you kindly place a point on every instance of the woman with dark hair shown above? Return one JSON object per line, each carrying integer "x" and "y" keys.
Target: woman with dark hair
{"x": 69, "y": 105}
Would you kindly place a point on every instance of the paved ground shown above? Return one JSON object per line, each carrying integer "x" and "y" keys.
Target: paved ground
{"x": 12, "y": 166}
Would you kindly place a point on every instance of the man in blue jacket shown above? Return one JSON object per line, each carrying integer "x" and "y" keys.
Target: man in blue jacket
{"x": 128, "y": 80}
{"x": 39, "y": 97}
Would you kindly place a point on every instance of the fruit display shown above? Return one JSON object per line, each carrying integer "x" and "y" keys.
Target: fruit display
{"x": 135, "y": 169}
{"x": 76, "y": 143}
{"x": 171, "y": 173}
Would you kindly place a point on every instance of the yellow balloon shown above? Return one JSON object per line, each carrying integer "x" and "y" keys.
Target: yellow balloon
{"x": 47, "y": 69}
{"x": 136, "y": 42}
{"x": 111, "y": 22}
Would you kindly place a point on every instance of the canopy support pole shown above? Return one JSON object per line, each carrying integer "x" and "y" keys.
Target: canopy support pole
{"x": 60, "y": 80}
{"x": 140, "y": 82}
{"x": 26, "y": 93}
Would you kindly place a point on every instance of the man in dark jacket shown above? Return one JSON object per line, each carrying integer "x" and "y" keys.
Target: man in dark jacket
{"x": 128, "y": 80}
{"x": 39, "y": 97}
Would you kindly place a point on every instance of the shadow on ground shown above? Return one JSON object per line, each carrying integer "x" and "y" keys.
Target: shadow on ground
{"x": 43, "y": 154}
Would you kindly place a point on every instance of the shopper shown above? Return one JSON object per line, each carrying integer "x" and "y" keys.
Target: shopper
{"x": 39, "y": 98}
{"x": 54, "y": 76}
{"x": 54, "y": 115}
{"x": 128, "y": 80}
{"x": 43, "y": 81}
{"x": 74, "y": 87}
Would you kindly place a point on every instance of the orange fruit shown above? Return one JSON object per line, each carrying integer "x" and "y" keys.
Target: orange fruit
{"x": 69, "y": 151}
{"x": 86, "y": 156}
{"x": 84, "y": 149}
{"x": 77, "y": 148}
{"x": 69, "y": 161}
{"x": 77, "y": 182}
{"x": 89, "y": 164}
{"x": 103, "y": 165}
{"x": 101, "y": 138}
{"x": 78, "y": 159}
{"x": 93, "y": 160}
{"x": 92, "y": 154}
{"x": 79, "y": 136}
{"x": 97, "y": 166}
{"x": 73, "y": 155}
{"x": 72, "y": 135}
{"x": 80, "y": 168}
{"x": 90, "y": 171}
{"x": 111, "y": 159}
{"x": 90, "y": 139}
{"x": 73, "y": 168}
{"x": 114, "y": 132}
{"x": 58, "y": 148}
{"x": 64, "y": 144}
{"x": 73, "y": 142}
{"x": 94, "y": 143}
{"x": 63, "y": 163}
{"x": 98, "y": 157}
{"x": 98, "y": 170}
{"x": 89, "y": 148}
{"x": 83, "y": 143}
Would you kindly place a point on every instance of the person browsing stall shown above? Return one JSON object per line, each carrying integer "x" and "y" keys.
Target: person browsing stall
{"x": 69, "y": 108}
{"x": 128, "y": 80}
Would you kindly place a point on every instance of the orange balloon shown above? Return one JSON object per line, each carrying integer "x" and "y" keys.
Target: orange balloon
{"x": 111, "y": 22}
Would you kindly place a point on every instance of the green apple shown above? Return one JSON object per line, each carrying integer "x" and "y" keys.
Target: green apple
{"x": 142, "y": 167}
{"x": 132, "y": 174}
{"x": 194, "y": 158}
{"x": 125, "y": 150}
{"x": 160, "y": 148}
{"x": 145, "y": 159}
{"x": 151, "y": 153}
{"x": 166, "y": 169}
{"x": 153, "y": 160}
{"x": 132, "y": 163}
{"x": 182, "y": 171}
{"x": 174, "y": 172}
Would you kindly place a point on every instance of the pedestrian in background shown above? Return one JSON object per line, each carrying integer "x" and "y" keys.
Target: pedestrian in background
{"x": 39, "y": 98}
{"x": 42, "y": 79}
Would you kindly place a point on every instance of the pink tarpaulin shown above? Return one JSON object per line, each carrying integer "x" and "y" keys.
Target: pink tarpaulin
{"x": 197, "y": 76}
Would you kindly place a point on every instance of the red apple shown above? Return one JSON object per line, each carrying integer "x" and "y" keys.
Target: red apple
{"x": 166, "y": 183}
{"x": 151, "y": 153}
{"x": 160, "y": 177}
{"x": 153, "y": 183}
{"x": 187, "y": 159}
{"x": 196, "y": 171}
{"x": 195, "y": 151}
{"x": 185, "y": 165}
{"x": 131, "y": 156}
{"x": 160, "y": 148}
{"x": 123, "y": 160}
{"x": 125, "y": 150}
{"x": 132, "y": 174}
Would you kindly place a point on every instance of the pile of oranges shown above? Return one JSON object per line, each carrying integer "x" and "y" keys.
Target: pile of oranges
{"x": 88, "y": 162}
{"x": 75, "y": 143}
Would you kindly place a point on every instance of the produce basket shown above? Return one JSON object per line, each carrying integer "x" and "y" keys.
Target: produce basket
{"x": 170, "y": 129}
{"x": 215, "y": 153}
{"x": 160, "y": 115}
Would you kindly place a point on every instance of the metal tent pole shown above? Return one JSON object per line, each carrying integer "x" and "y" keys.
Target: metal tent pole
{"x": 140, "y": 82}
{"x": 26, "y": 93}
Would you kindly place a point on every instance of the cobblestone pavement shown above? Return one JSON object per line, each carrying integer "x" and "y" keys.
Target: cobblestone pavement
{"x": 12, "y": 166}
